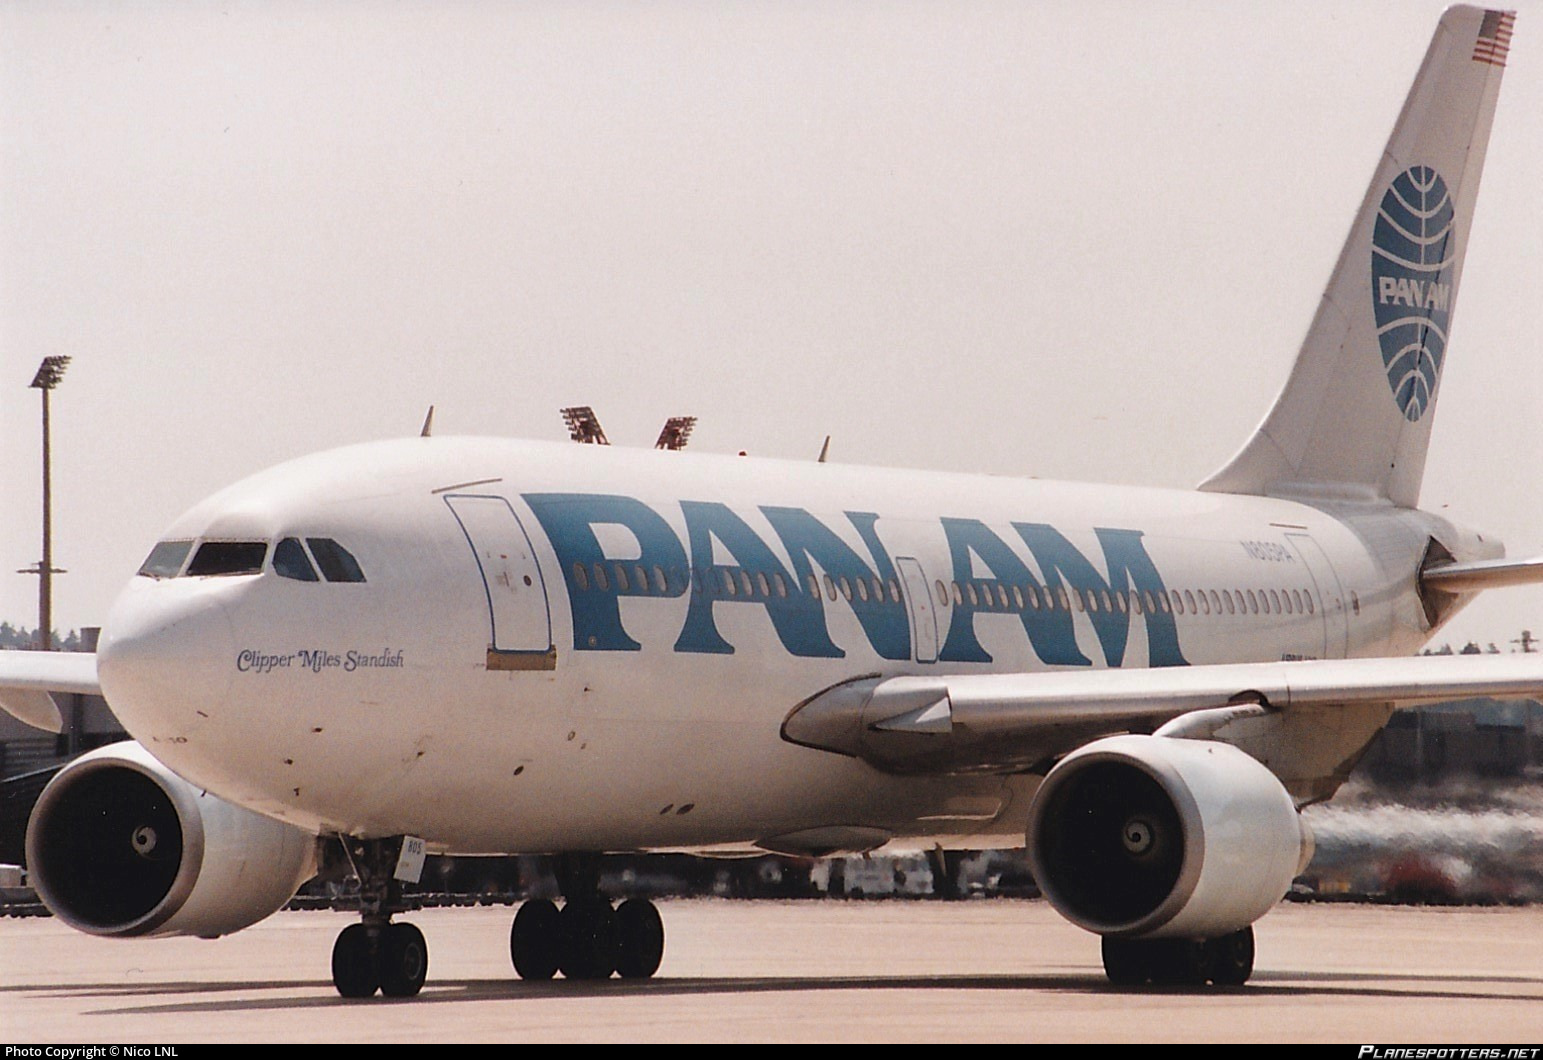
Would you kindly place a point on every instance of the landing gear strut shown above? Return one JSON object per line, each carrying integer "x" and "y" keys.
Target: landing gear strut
{"x": 378, "y": 954}
{"x": 1225, "y": 961}
{"x": 586, "y": 938}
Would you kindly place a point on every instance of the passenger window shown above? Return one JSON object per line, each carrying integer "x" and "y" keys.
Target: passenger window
{"x": 957, "y": 593}
{"x": 165, "y": 559}
{"x": 659, "y": 586}
{"x": 228, "y": 557}
{"x": 728, "y": 583}
{"x": 621, "y": 577}
{"x": 781, "y": 586}
{"x": 744, "y": 582}
{"x": 1253, "y": 602}
{"x": 640, "y": 578}
{"x": 336, "y": 562}
{"x": 814, "y": 587}
{"x": 1066, "y": 602}
{"x": 1205, "y": 603}
{"x": 1274, "y": 602}
{"x": 290, "y": 561}
{"x": 1079, "y": 600}
{"x": 862, "y": 590}
{"x": 830, "y": 587}
{"x": 942, "y": 592}
{"x": 601, "y": 581}
{"x": 894, "y": 591}
{"x": 1018, "y": 597}
{"x": 1033, "y": 595}
{"x": 969, "y": 590}
{"x": 580, "y": 575}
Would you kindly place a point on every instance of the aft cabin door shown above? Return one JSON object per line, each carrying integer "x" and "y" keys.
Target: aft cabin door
{"x": 520, "y": 622}
{"x": 1329, "y": 593}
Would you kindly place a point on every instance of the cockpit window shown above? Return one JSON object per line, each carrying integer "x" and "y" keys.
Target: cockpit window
{"x": 290, "y": 561}
{"x": 228, "y": 557}
{"x": 335, "y": 561}
{"x": 166, "y": 559}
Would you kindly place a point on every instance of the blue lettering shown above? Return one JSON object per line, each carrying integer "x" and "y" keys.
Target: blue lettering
{"x": 1129, "y": 565}
{"x": 883, "y": 617}
{"x": 569, "y": 520}
{"x": 1050, "y": 631}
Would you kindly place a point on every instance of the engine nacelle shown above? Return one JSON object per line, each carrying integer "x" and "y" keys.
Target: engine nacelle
{"x": 1152, "y": 836}
{"x": 119, "y": 845}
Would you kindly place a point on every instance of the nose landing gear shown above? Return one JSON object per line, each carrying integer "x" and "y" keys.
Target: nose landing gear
{"x": 378, "y": 954}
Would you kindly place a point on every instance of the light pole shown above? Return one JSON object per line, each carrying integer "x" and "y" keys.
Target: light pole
{"x": 49, "y": 373}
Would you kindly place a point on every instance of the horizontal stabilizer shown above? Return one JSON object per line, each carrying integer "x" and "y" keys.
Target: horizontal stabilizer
{"x": 1483, "y": 574}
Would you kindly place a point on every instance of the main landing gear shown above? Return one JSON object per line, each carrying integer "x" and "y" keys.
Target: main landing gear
{"x": 586, "y": 938}
{"x": 1225, "y": 961}
{"x": 378, "y": 954}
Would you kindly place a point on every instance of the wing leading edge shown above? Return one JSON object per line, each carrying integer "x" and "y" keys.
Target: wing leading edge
{"x": 28, "y": 679}
{"x": 999, "y": 722}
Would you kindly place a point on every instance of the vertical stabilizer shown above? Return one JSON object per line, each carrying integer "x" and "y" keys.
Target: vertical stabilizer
{"x": 1355, "y": 416}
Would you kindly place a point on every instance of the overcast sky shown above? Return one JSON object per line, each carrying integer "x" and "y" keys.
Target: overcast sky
{"x": 1072, "y": 240}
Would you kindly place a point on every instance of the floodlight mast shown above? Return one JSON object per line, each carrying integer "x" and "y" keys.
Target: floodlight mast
{"x": 49, "y": 374}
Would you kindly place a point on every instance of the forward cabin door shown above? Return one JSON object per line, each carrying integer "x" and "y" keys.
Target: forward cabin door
{"x": 519, "y": 617}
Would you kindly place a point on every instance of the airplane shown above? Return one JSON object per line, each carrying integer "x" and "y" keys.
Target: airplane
{"x": 490, "y": 646}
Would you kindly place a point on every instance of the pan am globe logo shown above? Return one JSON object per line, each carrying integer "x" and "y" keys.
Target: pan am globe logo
{"x": 1412, "y": 253}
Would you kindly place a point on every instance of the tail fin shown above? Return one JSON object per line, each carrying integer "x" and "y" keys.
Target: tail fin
{"x": 1355, "y": 416}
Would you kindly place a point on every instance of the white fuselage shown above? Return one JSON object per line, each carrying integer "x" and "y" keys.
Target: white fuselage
{"x": 486, "y": 688}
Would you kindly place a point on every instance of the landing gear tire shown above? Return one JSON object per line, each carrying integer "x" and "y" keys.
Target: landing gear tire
{"x": 1232, "y": 958}
{"x": 355, "y": 970}
{"x": 535, "y": 940}
{"x": 1124, "y": 962}
{"x": 1225, "y": 961}
{"x": 588, "y": 939}
{"x": 639, "y": 939}
{"x": 404, "y": 960}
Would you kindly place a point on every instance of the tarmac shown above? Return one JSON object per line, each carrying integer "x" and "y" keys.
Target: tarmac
{"x": 797, "y": 971}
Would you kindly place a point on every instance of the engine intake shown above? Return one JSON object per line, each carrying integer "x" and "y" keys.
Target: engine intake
{"x": 1151, "y": 836}
{"x": 119, "y": 845}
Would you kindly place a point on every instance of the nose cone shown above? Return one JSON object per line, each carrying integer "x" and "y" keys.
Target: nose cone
{"x": 167, "y": 656}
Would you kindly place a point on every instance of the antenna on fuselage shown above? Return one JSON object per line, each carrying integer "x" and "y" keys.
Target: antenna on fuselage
{"x": 428, "y": 424}
{"x": 824, "y": 451}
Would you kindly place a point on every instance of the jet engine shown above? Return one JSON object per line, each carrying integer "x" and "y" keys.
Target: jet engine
{"x": 119, "y": 845}
{"x": 1157, "y": 837}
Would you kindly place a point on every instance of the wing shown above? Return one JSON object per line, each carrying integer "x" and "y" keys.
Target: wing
{"x": 28, "y": 680}
{"x": 1024, "y": 721}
